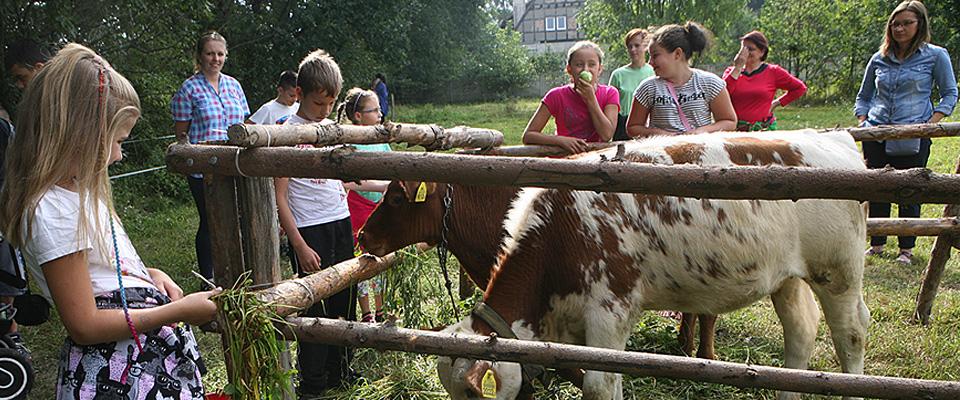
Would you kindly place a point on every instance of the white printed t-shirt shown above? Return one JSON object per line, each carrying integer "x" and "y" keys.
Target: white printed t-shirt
{"x": 315, "y": 201}
{"x": 272, "y": 113}
{"x": 694, "y": 96}
{"x": 55, "y": 235}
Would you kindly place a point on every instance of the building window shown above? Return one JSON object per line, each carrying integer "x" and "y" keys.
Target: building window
{"x": 551, "y": 24}
{"x": 562, "y": 23}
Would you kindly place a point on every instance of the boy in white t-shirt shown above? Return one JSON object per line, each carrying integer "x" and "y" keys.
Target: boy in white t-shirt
{"x": 277, "y": 111}
{"x": 314, "y": 214}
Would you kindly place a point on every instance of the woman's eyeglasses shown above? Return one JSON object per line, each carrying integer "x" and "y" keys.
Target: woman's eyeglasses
{"x": 902, "y": 24}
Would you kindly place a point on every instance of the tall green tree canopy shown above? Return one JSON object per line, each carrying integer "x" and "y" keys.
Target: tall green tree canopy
{"x": 608, "y": 20}
{"x": 429, "y": 50}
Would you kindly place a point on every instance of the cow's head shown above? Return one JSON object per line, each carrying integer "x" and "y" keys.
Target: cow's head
{"x": 409, "y": 213}
{"x": 469, "y": 379}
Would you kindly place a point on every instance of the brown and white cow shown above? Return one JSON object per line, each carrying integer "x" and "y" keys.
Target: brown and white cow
{"x": 579, "y": 266}
{"x": 474, "y": 234}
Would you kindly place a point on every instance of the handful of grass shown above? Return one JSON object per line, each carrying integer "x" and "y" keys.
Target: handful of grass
{"x": 253, "y": 344}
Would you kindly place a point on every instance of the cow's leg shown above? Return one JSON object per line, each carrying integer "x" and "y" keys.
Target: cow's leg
{"x": 848, "y": 318}
{"x": 609, "y": 330}
{"x": 708, "y": 325}
{"x": 799, "y": 315}
{"x": 688, "y": 323}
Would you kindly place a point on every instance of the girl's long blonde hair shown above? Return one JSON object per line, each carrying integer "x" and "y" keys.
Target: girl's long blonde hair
{"x": 68, "y": 119}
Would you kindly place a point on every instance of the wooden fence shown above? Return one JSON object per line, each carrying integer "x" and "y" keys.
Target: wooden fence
{"x": 244, "y": 233}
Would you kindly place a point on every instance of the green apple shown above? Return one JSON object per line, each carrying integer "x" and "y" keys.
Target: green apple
{"x": 586, "y": 76}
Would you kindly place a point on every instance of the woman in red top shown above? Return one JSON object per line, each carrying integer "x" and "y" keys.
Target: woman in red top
{"x": 753, "y": 83}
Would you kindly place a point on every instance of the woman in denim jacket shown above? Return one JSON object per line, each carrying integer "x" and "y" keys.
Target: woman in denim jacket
{"x": 896, "y": 89}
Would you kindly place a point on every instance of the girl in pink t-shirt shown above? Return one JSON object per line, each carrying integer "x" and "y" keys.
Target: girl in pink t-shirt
{"x": 585, "y": 111}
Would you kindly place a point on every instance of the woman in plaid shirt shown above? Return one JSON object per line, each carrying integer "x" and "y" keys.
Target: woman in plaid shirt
{"x": 206, "y": 104}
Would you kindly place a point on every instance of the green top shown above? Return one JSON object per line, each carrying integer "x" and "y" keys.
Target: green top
{"x": 626, "y": 79}
{"x": 372, "y": 196}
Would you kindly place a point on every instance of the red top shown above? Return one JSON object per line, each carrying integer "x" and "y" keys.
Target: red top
{"x": 752, "y": 93}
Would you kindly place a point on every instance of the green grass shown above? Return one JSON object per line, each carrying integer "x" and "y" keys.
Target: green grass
{"x": 896, "y": 347}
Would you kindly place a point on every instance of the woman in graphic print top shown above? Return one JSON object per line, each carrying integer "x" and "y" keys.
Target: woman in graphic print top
{"x": 205, "y": 106}
{"x": 701, "y": 95}
{"x": 125, "y": 340}
{"x": 585, "y": 111}
{"x": 896, "y": 89}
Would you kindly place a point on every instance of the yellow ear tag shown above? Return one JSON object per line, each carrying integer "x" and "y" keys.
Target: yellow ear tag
{"x": 488, "y": 386}
{"x": 421, "y": 193}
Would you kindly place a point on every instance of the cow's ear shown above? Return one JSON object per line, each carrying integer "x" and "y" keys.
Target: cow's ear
{"x": 417, "y": 192}
{"x": 482, "y": 379}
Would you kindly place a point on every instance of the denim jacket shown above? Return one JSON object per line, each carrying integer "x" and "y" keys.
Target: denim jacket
{"x": 898, "y": 92}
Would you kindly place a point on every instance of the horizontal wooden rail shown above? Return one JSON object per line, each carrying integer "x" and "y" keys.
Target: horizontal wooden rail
{"x": 556, "y": 355}
{"x": 912, "y": 226}
{"x": 887, "y": 132}
{"x": 431, "y": 137}
{"x": 768, "y": 183}
{"x": 296, "y": 294}
{"x": 874, "y": 133}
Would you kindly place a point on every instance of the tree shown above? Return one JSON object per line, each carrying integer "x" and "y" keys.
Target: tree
{"x": 430, "y": 50}
{"x": 606, "y": 21}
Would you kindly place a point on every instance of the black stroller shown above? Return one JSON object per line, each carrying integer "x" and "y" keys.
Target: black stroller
{"x": 16, "y": 368}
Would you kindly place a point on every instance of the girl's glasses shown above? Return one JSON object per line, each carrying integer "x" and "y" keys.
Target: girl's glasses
{"x": 369, "y": 110}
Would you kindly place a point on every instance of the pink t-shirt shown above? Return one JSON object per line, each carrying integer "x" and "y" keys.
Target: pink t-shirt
{"x": 570, "y": 111}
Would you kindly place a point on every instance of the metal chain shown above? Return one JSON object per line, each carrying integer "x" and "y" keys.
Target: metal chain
{"x": 442, "y": 247}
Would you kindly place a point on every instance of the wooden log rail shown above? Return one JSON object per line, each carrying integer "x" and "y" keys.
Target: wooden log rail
{"x": 912, "y": 226}
{"x": 296, "y": 294}
{"x": 874, "y": 133}
{"x": 886, "y": 132}
{"x": 559, "y": 356}
{"x": 431, "y": 137}
{"x": 767, "y": 183}
{"x": 293, "y": 295}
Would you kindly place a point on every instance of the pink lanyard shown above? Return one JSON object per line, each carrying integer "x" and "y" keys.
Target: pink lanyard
{"x": 683, "y": 117}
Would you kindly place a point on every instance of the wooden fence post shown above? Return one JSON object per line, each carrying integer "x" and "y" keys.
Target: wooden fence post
{"x": 259, "y": 229}
{"x": 935, "y": 267}
{"x": 220, "y": 194}
{"x": 244, "y": 234}
{"x": 260, "y": 238}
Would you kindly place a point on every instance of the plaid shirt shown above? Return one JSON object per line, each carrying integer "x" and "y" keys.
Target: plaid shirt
{"x": 209, "y": 112}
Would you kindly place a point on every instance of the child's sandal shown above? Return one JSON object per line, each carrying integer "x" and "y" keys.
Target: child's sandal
{"x": 367, "y": 317}
{"x": 380, "y": 316}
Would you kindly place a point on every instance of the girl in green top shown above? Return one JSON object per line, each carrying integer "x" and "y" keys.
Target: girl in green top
{"x": 628, "y": 77}
{"x": 362, "y": 107}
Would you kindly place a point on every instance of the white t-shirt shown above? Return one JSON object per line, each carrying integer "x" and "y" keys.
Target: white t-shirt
{"x": 55, "y": 235}
{"x": 694, "y": 96}
{"x": 273, "y": 113}
{"x": 315, "y": 201}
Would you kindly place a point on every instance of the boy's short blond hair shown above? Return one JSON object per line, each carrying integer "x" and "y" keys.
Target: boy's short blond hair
{"x": 318, "y": 71}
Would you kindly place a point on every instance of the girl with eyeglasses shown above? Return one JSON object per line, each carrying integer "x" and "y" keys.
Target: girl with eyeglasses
{"x": 896, "y": 89}
{"x": 362, "y": 107}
